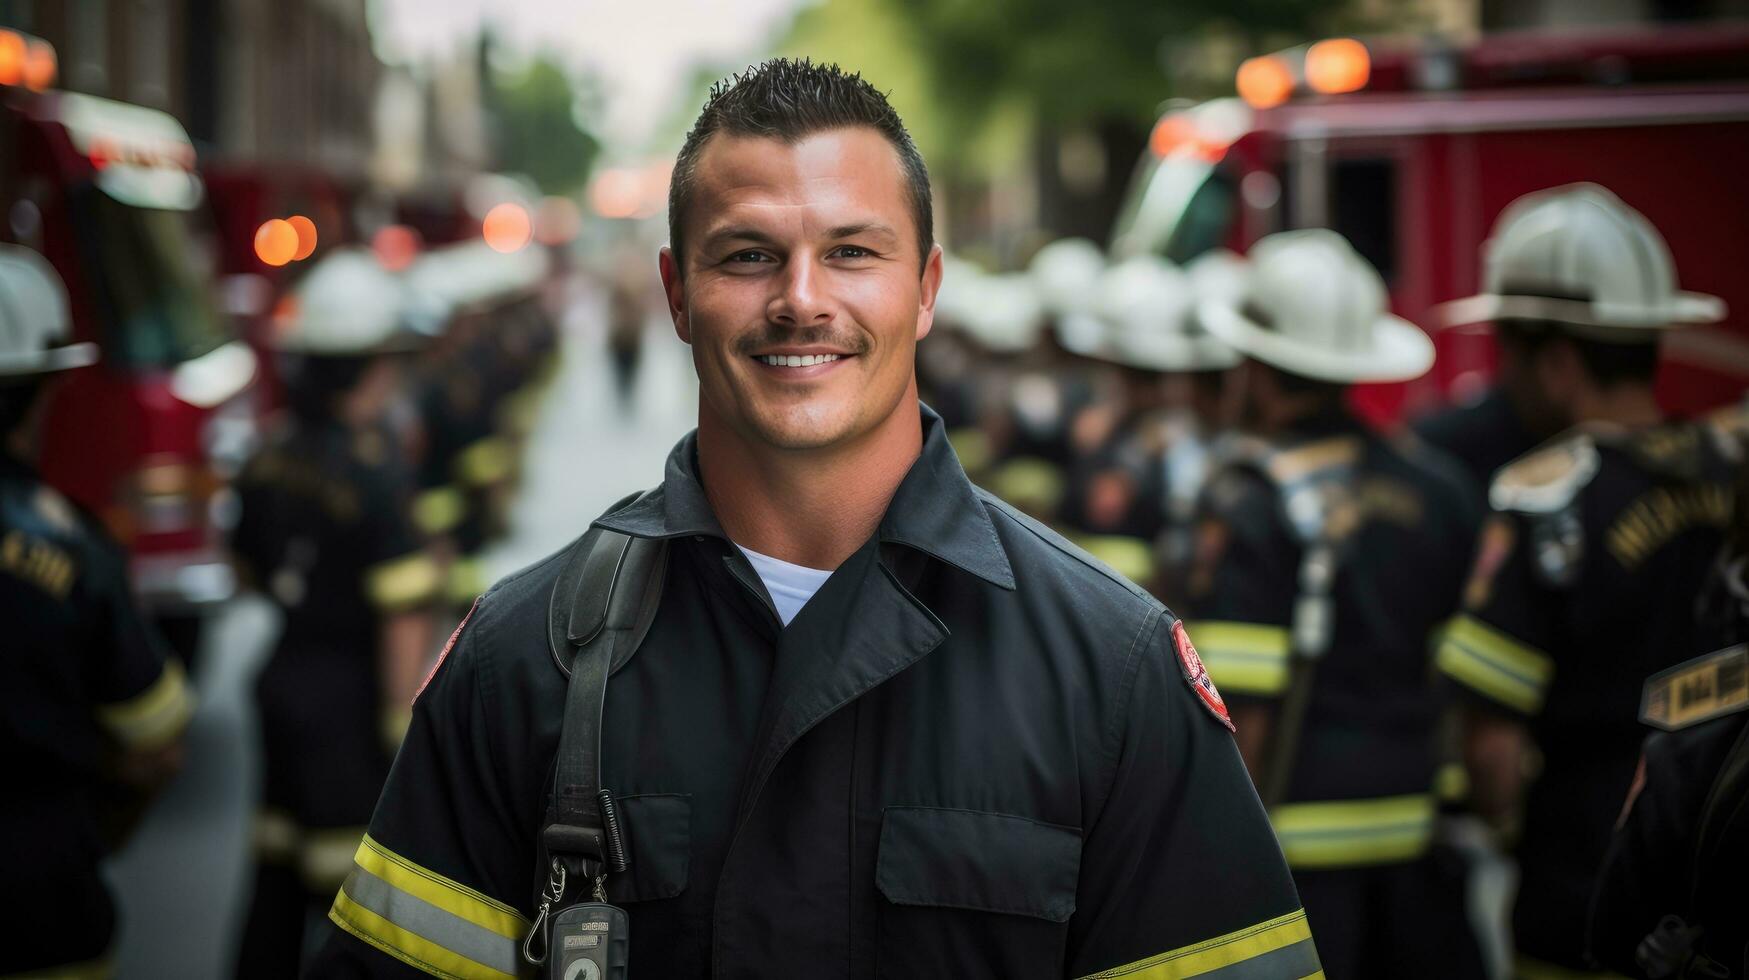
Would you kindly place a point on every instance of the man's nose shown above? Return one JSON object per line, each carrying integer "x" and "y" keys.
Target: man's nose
{"x": 803, "y": 298}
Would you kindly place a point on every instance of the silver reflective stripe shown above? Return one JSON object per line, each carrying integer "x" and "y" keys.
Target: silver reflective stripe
{"x": 1296, "y": 960}
{"x": 416, "y": 915}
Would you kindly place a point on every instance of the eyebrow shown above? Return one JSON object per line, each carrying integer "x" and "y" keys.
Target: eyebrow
{"x": 866, "y": 228}
{"x": 744, "y": 233}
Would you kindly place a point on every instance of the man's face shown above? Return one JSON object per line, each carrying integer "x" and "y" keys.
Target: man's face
{"x": 800, "y": 292}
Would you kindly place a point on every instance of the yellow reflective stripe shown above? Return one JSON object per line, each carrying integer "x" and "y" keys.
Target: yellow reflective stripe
{"x": 1346, "y": 833}
{"x": 1130, "y": 557}
{"x": 1028, "y": 482}
{"x": 325, "y": 856}
{"x": 972, "y": 446}
{"x": 402, "y": 582}
{"x": 408, "y": 947}
{"x": 487, "y": 461}
{"x": 439, "y": 509}
{"x": 156, "y": 716}
{"x": 1248, "y": 658}
{"x": 467, "y": 580}
{"x": 98, "y": 969}
{"x": 1494, "y": 664}
{"x": 428, "y": 886}
{"x": 521, "y": 409}
{"x": 1526, "y": 968}
{"x": 1213, "y": 954}
{"x": 1451, "y": 783}
{"x": 275, "y": 836}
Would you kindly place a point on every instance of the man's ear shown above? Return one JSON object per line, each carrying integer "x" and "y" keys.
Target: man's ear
{"x": 675, "y": 290}
{"x": 931, "y": 287}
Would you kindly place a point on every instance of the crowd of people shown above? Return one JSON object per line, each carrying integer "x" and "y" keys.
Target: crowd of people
{"x": 386, "y": 464}
{"x": 1415, "y": 628}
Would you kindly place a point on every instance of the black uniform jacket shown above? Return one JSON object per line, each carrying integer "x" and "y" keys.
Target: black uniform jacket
{"x": 81, "y": 675}
{"x": 975, "y": 752}
{"x": 1650, "y": 868}
{"x": 1483, "y": 436}
{"x": 1567, "y": 612}
{"x": 1399, "y": 577}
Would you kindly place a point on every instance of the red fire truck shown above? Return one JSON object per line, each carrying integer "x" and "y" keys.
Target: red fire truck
{"x": 109, "y": 193}
{"x": 1412, "y": 150}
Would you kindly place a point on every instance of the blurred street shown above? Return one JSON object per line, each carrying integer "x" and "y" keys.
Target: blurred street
{"x": 182, "y": 884}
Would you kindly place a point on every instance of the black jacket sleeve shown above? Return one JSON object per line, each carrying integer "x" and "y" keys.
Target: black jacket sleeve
{"x": 441, "y": 883}
{"x": 1180, "y": 873}
{"x": 1243, "y": 587}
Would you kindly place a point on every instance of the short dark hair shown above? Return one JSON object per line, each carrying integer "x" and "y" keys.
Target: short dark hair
{"x": 1608, "y": 364}
{"x": 1327, "y": 393}
{"x": 315, "y": 383}
{"x": 790, "y": 100}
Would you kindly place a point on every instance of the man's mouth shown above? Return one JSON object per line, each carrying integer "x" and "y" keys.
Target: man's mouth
{"x": 796, "y": 360}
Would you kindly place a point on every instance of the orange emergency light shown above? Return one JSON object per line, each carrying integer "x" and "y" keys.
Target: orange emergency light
{"x": 1265, "y": 81}
{"x": 1338, "y": 65}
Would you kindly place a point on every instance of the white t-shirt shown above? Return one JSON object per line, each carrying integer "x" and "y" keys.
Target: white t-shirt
{"x": 791, "y": 586}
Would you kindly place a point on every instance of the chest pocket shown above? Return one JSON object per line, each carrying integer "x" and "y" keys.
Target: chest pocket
{"x": 974, "y": 894}
{"x": 658, "y": 845}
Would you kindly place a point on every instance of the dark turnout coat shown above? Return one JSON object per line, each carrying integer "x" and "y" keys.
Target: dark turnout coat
{"x": 975, "y": 752}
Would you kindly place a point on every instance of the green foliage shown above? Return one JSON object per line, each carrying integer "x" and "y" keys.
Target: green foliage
{"x": 1075, "y": 62}
{"x": 535, "y": 130}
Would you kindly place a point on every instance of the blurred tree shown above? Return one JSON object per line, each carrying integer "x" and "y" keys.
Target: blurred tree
{"x": 1046, "y": 104}
{"x": 536, "y": 131}
{"x": 1081, "y": 62}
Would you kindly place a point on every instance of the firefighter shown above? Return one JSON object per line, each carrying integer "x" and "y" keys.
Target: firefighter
{"x": 325, "y": 533}
{"x": 1133, "y": 495}
{"x": 1670, "y": 900}
{"x": 881, "y": 722}
{"x": 1328, "y": 557}
{"x": 468, "y": 390}
{"x": 91, "y": 711}
{"x": 1053, "y": 405}
{"x": 1589, "y": 563}
{"x": 1506, "y": 422}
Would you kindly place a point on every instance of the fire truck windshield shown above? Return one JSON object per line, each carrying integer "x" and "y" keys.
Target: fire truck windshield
{"x": 150, "y": 280}
{"x": 1176, "y": 207}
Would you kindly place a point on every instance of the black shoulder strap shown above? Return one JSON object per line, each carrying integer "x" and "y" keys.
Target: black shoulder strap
{"x": 602, "y": 606}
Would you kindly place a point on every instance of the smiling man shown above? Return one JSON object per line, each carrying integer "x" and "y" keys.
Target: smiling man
{"x": 881, "y": 724}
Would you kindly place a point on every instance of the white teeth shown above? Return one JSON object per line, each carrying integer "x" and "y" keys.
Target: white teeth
{"x": 797, "y": 360}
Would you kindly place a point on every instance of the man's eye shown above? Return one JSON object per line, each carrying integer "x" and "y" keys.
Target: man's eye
{"x": 748, "y": 257}
{"x": 852, "y": 252}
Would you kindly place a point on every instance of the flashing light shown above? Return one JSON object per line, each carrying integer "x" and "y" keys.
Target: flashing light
{"x": 1169, "y": 134}
{"x": 1338, "y": 65}
{"x": 1176, "y": 133}
{"x": 306, "y": 232}
{"x": 506, "y": 227}
{"x": 396, "y": 246}
{"x": 1265, "y": 81}
{"x": 40, "y": 65}
{"x": 276, "y": 242}
{"x": 12, "y": 54}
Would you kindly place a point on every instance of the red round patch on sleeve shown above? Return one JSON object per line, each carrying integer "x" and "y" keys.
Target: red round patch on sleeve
{"x": 1197, "y": 676}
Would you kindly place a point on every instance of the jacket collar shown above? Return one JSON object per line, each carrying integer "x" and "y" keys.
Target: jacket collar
{"x": 936, "y": 511}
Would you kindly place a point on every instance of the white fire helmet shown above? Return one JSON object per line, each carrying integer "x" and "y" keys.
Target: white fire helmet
{"x": 348, "y": 306}
{"x": 1579, "y": 258}
{"x": 34, "y": 320}
{"x": 1314, "y": 308}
